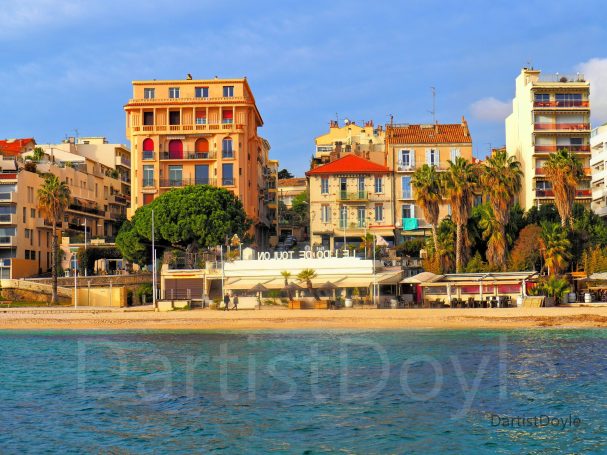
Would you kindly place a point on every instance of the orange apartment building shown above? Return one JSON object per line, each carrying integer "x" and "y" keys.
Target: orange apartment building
{"x": 194, "y": 132}
{"x": 409, "y": 147}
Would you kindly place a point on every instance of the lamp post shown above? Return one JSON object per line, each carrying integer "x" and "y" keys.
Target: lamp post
{"x": 75, "y": 260}
{"x": 345, "y": 222}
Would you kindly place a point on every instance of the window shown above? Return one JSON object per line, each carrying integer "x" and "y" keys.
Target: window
{"x": 324, "y": 185}
{"x": 432, "y": 157}
{"x": 343, "y": 217}
{"x": 406, "y": 187}
{"x": 379, "y": 184}
{"x": 33, "y": 255}
{"x": 27, "y": 233}
{"x": 148, "y": 175}
{"x": 202, "y": 92}
{"x": 227, "y": 116}
{"x": 173, "y": 92}
{"x": 228, "y": 91}
{"x": 408, "y": 211}
{"x": 201, "y": 118}
{"x": 407, "y": 158}
{"x": 148, "y": 152}
{"x": 379, "y": 212}
{"x": 24, "y": 214}
{"x": 227, "y": 172}
{"x": 175, "y": 149}
{"x": 568, "y": 99}
{"x": 226, "y": 148}
{"x": 360, "y": 215}
{"x": 542, "y": 97}
{"x": 27, "y": 254}
{"x": 175, "y": 176}
{"x": 149, "y": 93}
{"x": 32, "y": 213}
{"x": 361, "y": 186}
{"x": 148, "y": 118}
{"x": 325, "y": 213}
{"x": 174, "y": 118}
{"x": 455, "y": 153}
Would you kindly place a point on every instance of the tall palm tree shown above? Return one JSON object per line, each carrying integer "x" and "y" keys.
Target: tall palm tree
{"x": 495, "y": 235}
{"x": 307, "y": 275}
{"x": 428, "y": 195}
{"x": 367, "y": 242}
{"x": 53, "y": 199}
{"x": 554, "y": 247}
{"x": 459, "y": 183}
{"x": 564, "y": 170}
{"x": 501, "y": 179}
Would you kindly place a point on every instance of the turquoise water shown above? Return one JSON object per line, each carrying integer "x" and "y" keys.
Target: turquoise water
{"x": 303, "y": 392}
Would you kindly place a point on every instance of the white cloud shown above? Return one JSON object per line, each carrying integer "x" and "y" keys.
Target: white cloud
{"x": 595, "y": 71}
{"x": 491, "y": 109}
{"x": 20, "y": 16}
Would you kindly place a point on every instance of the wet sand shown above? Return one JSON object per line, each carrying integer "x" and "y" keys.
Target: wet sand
{"x": 280, "y": 319}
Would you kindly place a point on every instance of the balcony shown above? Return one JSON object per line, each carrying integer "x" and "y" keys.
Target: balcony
{"x": 188, "y": 156}
{"x": 561, "y": 78}
{"x": 178, "y": 183}
{"x": 148, "y": 155}
{"x": 554, "y": 148}
{"x": 407, "y": 195}
{"x": 562, "y": 126}
{"x": 544, "y": 193}
{"x": 582, "y": 193}
{"x": 149, "y": 183}
{"x": 228, "y": 181}
{"x": 200, "y": 100}
{"x": 123, "y": 161}
{"x": 188, "y": 129}
{"x": 84, "y": 209}
{"x": 561, "y": 104}
{"x": 542, "y": 171}
{"x": 585, "y": 193}
{"x": 601, "y": 211}
{"x": 8, "y": 175}
{"x": 353, "y": 196}
{"x": 9, "y": 218}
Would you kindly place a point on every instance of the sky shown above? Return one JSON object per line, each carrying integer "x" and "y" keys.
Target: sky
{"x": 68, "y": 64}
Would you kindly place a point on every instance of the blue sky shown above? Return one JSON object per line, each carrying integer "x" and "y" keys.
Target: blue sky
{"x": 68, "y": 64}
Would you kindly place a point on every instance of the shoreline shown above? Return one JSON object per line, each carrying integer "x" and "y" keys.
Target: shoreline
{"x": 282, "y": 319}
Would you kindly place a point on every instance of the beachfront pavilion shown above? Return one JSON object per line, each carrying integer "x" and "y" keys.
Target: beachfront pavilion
{"x": 470, "y": 289}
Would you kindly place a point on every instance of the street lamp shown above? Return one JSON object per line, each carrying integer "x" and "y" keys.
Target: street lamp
{"x": 75, "y": 261}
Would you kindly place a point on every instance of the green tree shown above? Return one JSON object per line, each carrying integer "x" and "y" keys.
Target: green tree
{"x": 525, "y": 254}
{"x": 428, "y": 195}
{"x": 501, "y": 179}
{"x": 284, "y": 174}
{"x": 132, "y": 246}
{"x": 53, "y": 199}
{"x": 545, "y": 212}
{"x": 460, "y": 183}
{"x": 564, "y": 171}
{"x": 189, "y": 218}
{"x": 306, "y": 276}
{"x": 494, "y": 233}
{"x": 554, "y": 247}
{"x": 300, "y": 205}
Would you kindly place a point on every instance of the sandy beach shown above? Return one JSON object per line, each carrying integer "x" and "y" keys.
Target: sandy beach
{"x": 66, "y": 318}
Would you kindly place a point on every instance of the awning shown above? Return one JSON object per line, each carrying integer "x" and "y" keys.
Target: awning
{"x": 242, "y": 284}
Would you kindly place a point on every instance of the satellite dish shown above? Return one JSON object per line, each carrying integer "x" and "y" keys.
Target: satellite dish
{"x": 346, "y": 121}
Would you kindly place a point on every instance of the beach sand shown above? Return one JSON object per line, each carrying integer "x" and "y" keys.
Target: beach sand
{"x": 582, "y": 317}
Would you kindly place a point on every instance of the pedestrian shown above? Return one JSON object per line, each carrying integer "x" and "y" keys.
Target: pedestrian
{"x": 226, "y": 302}
{"x": 235, "y": 300}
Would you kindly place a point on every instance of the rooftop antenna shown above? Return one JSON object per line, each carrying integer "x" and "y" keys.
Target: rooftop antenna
{"x": 433, "y": 111}
{"x": 391, "y": 119}
{"x": 337, "y": 118}
{"x": 490, "y": 148}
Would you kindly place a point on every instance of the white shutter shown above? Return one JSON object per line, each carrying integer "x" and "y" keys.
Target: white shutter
{"x": 412, "y": 210}
{"x": 428, "y": 157}
{"x": 454, "y": 154}
{"x": 412, "y": 158}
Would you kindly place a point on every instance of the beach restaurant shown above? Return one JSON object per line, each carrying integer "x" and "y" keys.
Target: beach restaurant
{"x": 338, "y": 274}
{"x": 470, "y": 289}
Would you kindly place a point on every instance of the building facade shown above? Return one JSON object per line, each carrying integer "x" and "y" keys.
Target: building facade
{"x": 409, "y": 147}
{"x": 291, "y": 223}
{"x": 549, "y": 112}
{"x": 190, "y": 132}
{"x": 349, "y": 197}
{"x": 363, "y": 141}
{"x": 598, "y": 145}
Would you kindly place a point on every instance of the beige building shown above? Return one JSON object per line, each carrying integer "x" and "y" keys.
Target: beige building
{"x": 349, "y": 197}
{"x": 289, "y": 223}
{"x": 409, "y": 147}
{"x": 549, "y": 112}
{"x": 364, "y": 141}
{"x": 598, "y": 145}
{"x": 97, "y": 204}
{"x": 191, "y": 132}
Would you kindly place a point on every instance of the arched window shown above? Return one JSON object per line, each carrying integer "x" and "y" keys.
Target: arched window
{"x": 148, "y": 149}
{"x": 202, "y": 148}
{"x": 175, "y": 149}
{"x": 226, "y": 148}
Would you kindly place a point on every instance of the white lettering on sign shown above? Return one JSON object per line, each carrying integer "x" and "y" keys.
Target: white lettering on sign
{"x": 307, "y": 254}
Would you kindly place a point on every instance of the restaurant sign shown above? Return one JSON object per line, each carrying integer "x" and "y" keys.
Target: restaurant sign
{"x": 308, "y": 254}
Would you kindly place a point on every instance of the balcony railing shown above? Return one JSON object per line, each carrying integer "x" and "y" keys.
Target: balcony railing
{"x": 149, "y": 183}
{"x": 562, "y": 78}
{"x": 587, "y": 192}
{"x": 353, "y": 196}
{"x": 554, "y": 148}
{"x": 122, "y": 161}
{"x": 176, "y": 183}
{"x": 227, "y": 181}
{"x": 563, "y": 126}
{"x": 189, "y": 127}
{"x": 550, "y": 193}
{"x": 8, "y": 175}
{"x": 82, "y": 208}
{"x": 147, "y": 155}
{"x": 7, "y": 218}
{"x": 199, "y": 100}
{"x": 407, "y": 195}
{"x": 567, "y": 103}
{"x": 187, "y": 156}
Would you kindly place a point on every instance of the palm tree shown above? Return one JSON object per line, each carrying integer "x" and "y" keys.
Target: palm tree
{"x": 501, "y": 179}
{"x": 286, "y": 275}
{"x": 428, "y": 195}
{"x": 459, "y": 183}
{"x": 307, "y": 275}
{"x": 53, "y": 199}
{"x": 564, "y": 171}
{"x": 367, "y": 242}
{"x": 495, "y": 235}
{"x": 555, "y": 247}
{"x": 556, "y": 288}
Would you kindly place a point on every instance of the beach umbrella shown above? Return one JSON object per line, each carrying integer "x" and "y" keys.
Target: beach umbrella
{"x": 292, "y": 287}
{"x": 259, "y": 288}
{"x": 328, "y": 286}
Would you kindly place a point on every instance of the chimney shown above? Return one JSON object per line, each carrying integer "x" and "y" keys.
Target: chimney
{"x": 465, "y": 126}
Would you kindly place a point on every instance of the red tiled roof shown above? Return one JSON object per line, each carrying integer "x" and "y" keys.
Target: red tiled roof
{"x": 296, "y": 181}
{"x": 349, "y": 164}
{"x": 14, "y": 146}
{"x": 452, "y": 133}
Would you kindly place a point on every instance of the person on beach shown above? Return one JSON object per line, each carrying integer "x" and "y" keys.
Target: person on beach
{"x": 235, "y": 300}
{"x": 226, "y": 302}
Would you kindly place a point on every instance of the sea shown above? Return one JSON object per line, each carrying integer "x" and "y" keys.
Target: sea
{"x": 535, "y": 391}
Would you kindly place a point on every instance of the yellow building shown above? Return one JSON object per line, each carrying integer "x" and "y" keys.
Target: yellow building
{"x": 409, "y": 147}
{"x": 190, "y": 132}
{"x": 364, "y": 141}
{"x": 349, "y": 197}
{"x": 549, "y": 112}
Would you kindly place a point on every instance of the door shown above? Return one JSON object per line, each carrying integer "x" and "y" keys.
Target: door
{"x": 175, "y": 150}
{"x": 202, "y": 174}
{"x": 175, "y": 176}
